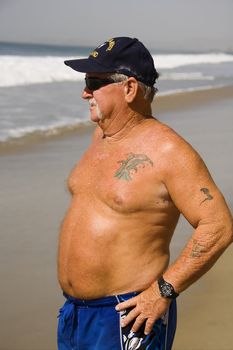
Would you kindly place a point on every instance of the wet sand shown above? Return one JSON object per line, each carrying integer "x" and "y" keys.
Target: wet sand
{"x": 33, "y": 202}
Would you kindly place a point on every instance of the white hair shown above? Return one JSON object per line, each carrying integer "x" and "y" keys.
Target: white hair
{"x": 148, "y": 91}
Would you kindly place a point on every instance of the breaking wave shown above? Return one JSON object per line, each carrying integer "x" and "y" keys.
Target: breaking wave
{"x": 24, "y": 70}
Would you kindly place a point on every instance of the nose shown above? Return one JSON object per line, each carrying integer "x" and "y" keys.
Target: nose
{"x": 87, "y": 93}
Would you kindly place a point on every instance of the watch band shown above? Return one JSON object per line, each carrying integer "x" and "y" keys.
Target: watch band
{"x": 166, "y": 289}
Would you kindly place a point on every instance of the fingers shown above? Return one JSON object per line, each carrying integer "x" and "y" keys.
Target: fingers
{"x": 149, "y": 325}
{"x": 139, "y": 321}
{"x": 125, "y": 304}
{"x": 130, "y": 317}
{"x": 146, "y": 309}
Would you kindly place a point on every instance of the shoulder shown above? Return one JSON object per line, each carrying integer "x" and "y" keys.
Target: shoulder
{"x": 173, "y": 150}
{"x": 169, "y": 140}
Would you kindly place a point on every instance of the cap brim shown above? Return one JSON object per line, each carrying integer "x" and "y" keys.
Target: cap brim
{"x": 86, "y": 65}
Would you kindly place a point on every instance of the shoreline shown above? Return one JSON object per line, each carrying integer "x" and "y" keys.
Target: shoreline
{"x": 190, "y": 98}
{"x": 162, "y": 103}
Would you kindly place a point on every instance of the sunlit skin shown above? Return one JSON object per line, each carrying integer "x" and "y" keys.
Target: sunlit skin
{"x": 116, "y": 233}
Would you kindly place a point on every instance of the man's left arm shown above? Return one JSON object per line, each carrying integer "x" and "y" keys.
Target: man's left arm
{"x": 197, "y": 197}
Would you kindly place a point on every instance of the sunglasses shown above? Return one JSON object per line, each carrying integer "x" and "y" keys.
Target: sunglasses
{"x": 93, "y": 83}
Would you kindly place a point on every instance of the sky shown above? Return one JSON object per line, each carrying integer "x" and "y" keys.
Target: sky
{"x": 171, "y": 25}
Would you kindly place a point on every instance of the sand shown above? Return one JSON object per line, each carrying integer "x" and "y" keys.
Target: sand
{"x": 34, "y": 200}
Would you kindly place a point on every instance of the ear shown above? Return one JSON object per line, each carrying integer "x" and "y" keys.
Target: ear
{"x": 130, "y": 89}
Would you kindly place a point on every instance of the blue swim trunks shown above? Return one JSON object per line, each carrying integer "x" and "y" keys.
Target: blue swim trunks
{"x": 95, "y": 325}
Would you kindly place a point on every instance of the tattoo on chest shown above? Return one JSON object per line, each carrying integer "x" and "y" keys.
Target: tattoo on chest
{"x": 209, "y": 197}
{"x": 132, "y": 164}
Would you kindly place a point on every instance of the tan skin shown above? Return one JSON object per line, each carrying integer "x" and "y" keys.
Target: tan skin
{"x": 115, "y": 236}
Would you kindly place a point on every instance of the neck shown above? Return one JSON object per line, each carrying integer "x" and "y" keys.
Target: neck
{"x": 119, "y": 131}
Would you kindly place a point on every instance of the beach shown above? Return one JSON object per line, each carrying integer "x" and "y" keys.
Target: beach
{"x": 34, "y": 199}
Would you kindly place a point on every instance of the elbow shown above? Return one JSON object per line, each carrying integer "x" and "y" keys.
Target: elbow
{"x": 227, "y": 233}
{"x": 222, "y": 235}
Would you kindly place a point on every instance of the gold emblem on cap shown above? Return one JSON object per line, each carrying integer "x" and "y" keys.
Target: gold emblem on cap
{"x": 111, "y": 44}
{"x": 94, "y": 54}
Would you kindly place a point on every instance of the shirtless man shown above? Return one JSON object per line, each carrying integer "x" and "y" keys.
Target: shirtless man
{"x": 128, "y": 191}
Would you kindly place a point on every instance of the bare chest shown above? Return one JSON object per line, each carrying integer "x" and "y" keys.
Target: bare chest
{"x": 126, "y": 180}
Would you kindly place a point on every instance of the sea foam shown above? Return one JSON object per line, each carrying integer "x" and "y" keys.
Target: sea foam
{"x": 25, "y": 70}
{"x": 67, "y": 124}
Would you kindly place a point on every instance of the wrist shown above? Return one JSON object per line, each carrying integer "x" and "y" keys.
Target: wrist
{"x": 166, "y": 289}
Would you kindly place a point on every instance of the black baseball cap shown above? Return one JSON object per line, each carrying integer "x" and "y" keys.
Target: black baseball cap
{"x": 119, "y": 55}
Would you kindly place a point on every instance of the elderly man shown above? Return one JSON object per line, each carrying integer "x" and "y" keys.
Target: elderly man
{"x": 128, "y": 191}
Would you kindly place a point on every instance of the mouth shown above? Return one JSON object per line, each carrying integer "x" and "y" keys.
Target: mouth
{"x": 94, "y": 110}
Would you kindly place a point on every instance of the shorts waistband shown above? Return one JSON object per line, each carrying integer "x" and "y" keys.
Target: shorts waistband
{"x": 105, "y": 301}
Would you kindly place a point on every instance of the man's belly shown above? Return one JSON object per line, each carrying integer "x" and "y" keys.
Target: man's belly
{"x": 102, "y": 252}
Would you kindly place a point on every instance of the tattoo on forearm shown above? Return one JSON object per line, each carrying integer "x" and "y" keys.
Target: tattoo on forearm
{"x": 131, "y": 163}
{"x": 207, "y": 193}
{"x": 197, "y": 249}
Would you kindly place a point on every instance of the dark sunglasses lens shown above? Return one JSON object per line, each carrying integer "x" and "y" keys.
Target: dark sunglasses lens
{"x": 96, "y": 83}
{"x": 93, "y": 84}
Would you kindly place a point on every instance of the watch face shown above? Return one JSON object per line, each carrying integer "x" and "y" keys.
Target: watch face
{"x": 166, "y": 290}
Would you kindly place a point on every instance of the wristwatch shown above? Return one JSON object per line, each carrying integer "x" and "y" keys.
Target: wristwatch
{"x": 166, "y": 289}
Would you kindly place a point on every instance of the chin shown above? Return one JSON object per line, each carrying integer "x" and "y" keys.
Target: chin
{"x": 94, "y": 117}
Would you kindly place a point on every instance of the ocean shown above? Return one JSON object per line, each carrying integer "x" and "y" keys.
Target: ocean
{"x": 41, "y": 96}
